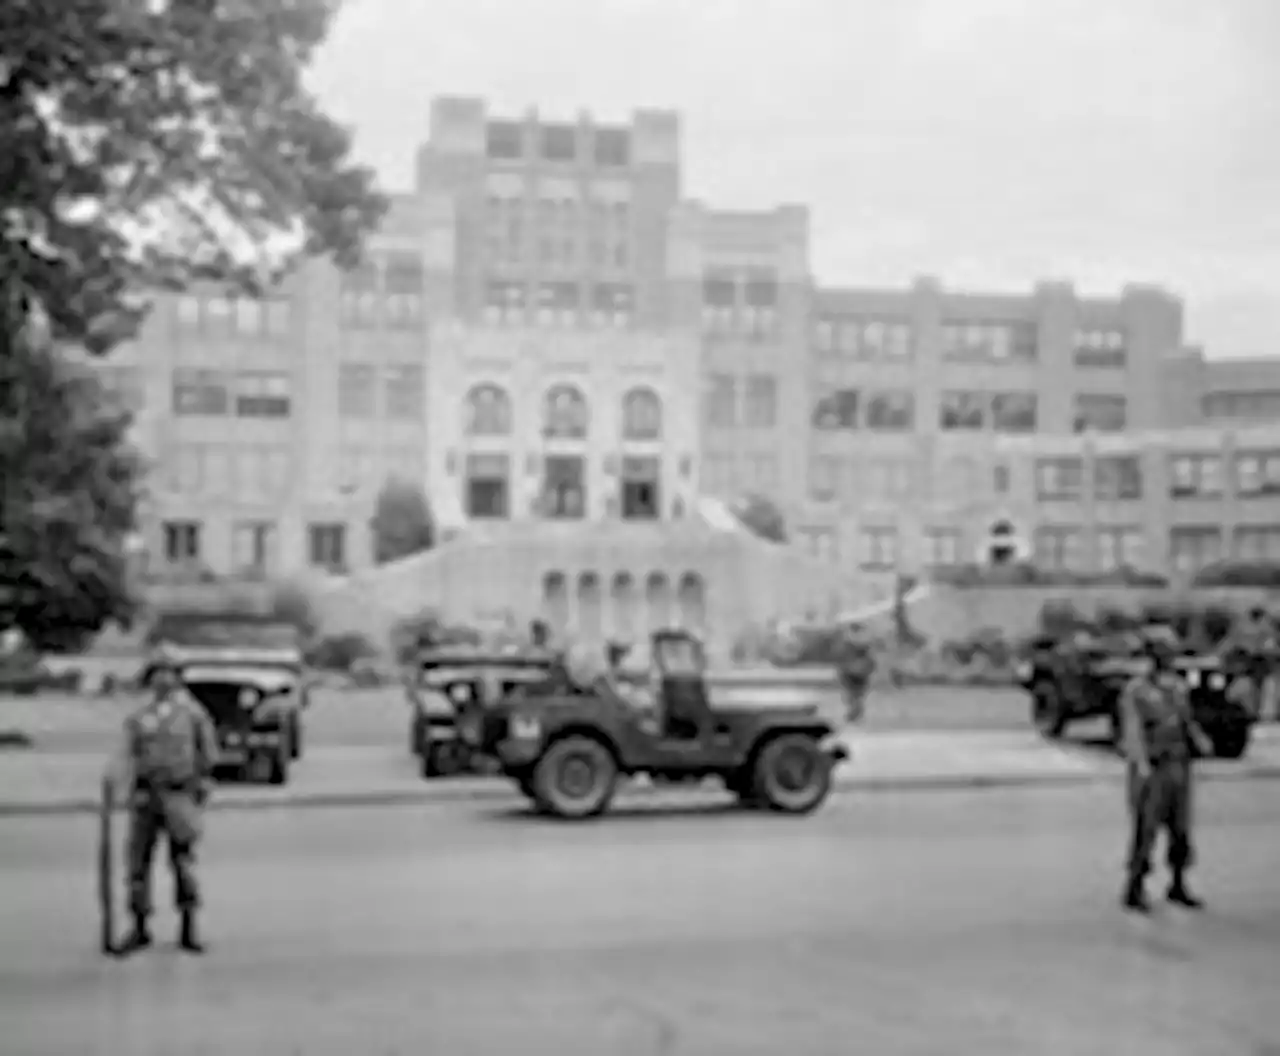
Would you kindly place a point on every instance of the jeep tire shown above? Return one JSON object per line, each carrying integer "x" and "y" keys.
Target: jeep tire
{"x": 1047, "y": 714}
{"x": 792, "y": 775}
{"x": 575, "y": 778}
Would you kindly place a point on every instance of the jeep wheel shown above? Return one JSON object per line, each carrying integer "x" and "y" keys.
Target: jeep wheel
{"x": 792, "y": 774}
{"x": 1046, "y": 711}
{"x": 1231, "y": 743}
{"x": 575, "y": 778}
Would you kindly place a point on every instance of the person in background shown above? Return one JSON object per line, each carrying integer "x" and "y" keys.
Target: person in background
{"x": 856, "y": 665}
{"x": 1158, "y": 734}
{"x": 1250, "y": 651}
{"x": 165, "y": 765}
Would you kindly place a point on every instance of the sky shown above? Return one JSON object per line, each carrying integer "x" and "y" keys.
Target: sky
{"x": 990, "y": 143}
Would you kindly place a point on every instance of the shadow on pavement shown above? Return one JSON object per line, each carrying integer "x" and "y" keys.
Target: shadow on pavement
{"x": 526, "y": 814}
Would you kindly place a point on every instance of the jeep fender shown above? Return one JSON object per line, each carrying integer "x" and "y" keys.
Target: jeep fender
{"x": 817, "y": 731}
{"x": 595, "y": 733}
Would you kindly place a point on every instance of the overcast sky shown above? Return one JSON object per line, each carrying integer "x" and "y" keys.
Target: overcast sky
{"x": 988, "y": 142}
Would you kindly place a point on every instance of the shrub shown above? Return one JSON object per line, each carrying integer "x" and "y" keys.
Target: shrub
{"x": 340, "y": 652}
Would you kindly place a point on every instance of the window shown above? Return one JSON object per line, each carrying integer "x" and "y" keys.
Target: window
{"x": 181, "y": 542}
{"x": 268, "y": 317}
{"x": 891, "y": 411}
{"x": 759, "y": 309}
{"x": 760, "y": 409}
{"x": 1100, "y": 413}
{"x": 358, "y": 298}
{"x": 1014, "y": 412}
{"x": 1262, "y": 404}
{"x": 837, "y": 410}
{"x": 1193, "y": 547}
{"x": 558, "y": 303}
{"x": 327, "y": 546}
{"x": 564, "y": 490}
{"x": 612, "y": 147}
{"x": 559, "y": 142}
{"x": 641, "y": 415}
{"x": 405, "y": 396}
{"x": 1119, "y": 547}
{"x": 1059, "y": 479}
{"x": 824, "y": 478}
{"x": 612, "y": 304}
{"x": 262, "y": 394}
{"x": 1100, "y": 349}
{"x": 200, "y": 392}
{"x": 963, "y": 411}
{"x": 942, "y": 546}
{"x": 564, "y": 414}
{"x": 356, "y": 391}
{"x": 719, "y": 301}
{"x": 879, "y": 548}
{"x": 252, "y": 545}
{"x": 1256, "y": 543}
{"x": 1058, "y": 547}
{"x": 504, "y": 302}
{"x": 721, "y": 401}
{"x": 1257, "y": 473}
{"x": 504, "y": 139}
{"x": 1195, "y": 476}
{"x": 1117, "y": 477}
{"x": 641, "y": 489}
{"x": 487, "y": 412}
{"x": 989, "y": 342}
{"x": 867, "y": 338}
{"x": 405, "y": 291}
{"x": 488, "y": 490}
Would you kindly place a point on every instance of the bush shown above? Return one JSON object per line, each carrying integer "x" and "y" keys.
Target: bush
{"x": 340, "y": 652}
{"x": 426, "y": 629}
{"x": 290, "y": 603}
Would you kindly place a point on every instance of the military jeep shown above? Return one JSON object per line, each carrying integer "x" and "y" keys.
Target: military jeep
{"x": 1081, "y": 677}
{"x": 771, "y": 738}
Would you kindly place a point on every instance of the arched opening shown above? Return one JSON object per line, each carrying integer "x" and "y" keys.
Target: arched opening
{"x": 487, "y": 411}
{"x": 641, "y": 415}
{"x": 555, "y": 604}
{"x": 622, "y": 602}
{"x": 590, "y": 622}
{"x": 564, "y": 413}
{"x": 657, "y": 601}
{"x": 692, "y": 603}
{"x": 1002, "y": 544}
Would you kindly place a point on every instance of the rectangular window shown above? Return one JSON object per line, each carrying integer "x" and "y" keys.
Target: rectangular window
{"x": 1100, "y": 349}
{"x": 1257, "y": 473}
{"x": 1258, "y": 405}
{"x": 252, "y": 547}
{"x": 1117, "y": 477}
{"x": 327, "y": 546}
{"x": 1119, "y": 548}
{"x": 760, "y": 409}
{"x": 262, "y": 394}
{"x": 564, "y": 487}
{"x": 891, "y": 411}
{"x": 1002, "y": 342}
{"x": 488, "y": 488}
{"x": 406, "y": 284}
{"x": 1059, "y": 479}
{"x": 869, "y": 337}
{"x": 1195, "y": 476}
{"x": 963, "y": 411}
{"x": 824, "y": 478}
{"x": 200, "y": 392}
{"x": 1193, "y": 547}
{"x": 1058, "y": 547}
{"x": 879, "y": 548}
{"x": 559, "y": 142}
{"x": 641, "y": 489}
{"x": 558, "y": 303}
{"x": 504, "y": 140}
{"x": 358, "y": 297}
{"x": 405, "y": 392}
{"x": 612, "y": 147}
{"x": 181, "y": 542}
{"x": 942, "y": 546}
{"x": 356, "y": 391}
{"x": 1100, "y": 413}
{"x": 266, "y": 318}
{"x": 721, "y": 401}
{"x": 838, "y": 411}
{"x": 612, "y": 304}
{"x": 1014, "y": 412}
{"x": 1256, "y": 543}
{"x": 504, "y": 301}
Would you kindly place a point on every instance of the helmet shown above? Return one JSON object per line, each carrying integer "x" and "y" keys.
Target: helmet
{"x": 1160, "y": 643}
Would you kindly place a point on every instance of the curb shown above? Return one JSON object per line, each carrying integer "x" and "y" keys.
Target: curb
{"x": 498, "y": 792}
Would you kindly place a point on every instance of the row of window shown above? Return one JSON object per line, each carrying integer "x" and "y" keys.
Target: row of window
{"x": 394, "y": 392}
{"x": 893, "y": 410}
{"x": 487, "y": 411}
{"x": 750, "y": 402}
{"x": 220, "y": 316}
{"x": 558, "y": 253}
{"x": 255, "y": 545}
{"x": 1253, "y": 474}
{"x": 512, "y": 141}
{"x": 266, "y": 473}
{"x": 197, "y": 392}
{"x": 386, "y": 291}
{"x": 558, "y": 303}
{"x": 1257, "y": 405}
{"x": 487, "y": 489}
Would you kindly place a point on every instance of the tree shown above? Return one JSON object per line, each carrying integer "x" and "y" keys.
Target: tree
{"x": 402, "y": 522}
{"x": 762, "y": 517}
{"x": 154, "y": 145}
{"x": 69, "y": 485}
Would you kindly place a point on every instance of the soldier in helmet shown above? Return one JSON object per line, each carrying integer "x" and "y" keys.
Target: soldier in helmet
{"x": 165, "y": 763}
{"x": 1158, "y": 733}
{"x": 856, "y": 666}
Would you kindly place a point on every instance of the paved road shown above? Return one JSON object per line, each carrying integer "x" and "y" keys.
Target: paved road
{"x": 982, "y": 922}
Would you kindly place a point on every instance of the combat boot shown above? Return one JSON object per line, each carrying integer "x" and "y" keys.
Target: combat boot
{"x": 137, "y": 939}
{"x": 1180, "y": 895}
{"x": 1135, "y": 898}
{"x": 189, "y": 935}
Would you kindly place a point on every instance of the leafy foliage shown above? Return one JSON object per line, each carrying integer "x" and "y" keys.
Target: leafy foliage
{"x": 762, "y": 517}
{"x": 154, "y": 145}
{"x": 69, "y": 484}
{"x": 402, "y": 522}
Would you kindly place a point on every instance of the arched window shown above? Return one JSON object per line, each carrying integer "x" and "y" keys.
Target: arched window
{"x": 564, "y": 414}
{"x": 487, "y": 412}
{"x": 641, "y": 415}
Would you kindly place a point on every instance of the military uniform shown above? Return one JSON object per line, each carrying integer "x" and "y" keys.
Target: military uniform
{"x": 1158, "y": 732}
{"x": 856, "y": 666}
{"x": 165, "y": 763}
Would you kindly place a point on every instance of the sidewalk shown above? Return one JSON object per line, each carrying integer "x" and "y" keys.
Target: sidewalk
{"x": 35, "y": 782}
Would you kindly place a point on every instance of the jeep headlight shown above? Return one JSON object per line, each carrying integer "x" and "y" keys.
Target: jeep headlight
{"x": 1193, "y": 678}
{"x": 249, "y": 698}
{"x": 525, "y": 728}
{"x": 1217, "y": 681}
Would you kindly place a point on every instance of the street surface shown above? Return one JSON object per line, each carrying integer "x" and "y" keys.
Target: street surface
{"x": 892, "y": 923}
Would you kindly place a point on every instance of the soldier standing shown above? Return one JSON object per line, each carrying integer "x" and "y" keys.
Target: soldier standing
{"x": 856, "y": 666}
{"x": 1158, "y": 734}
{"x": 166, "y": 762}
